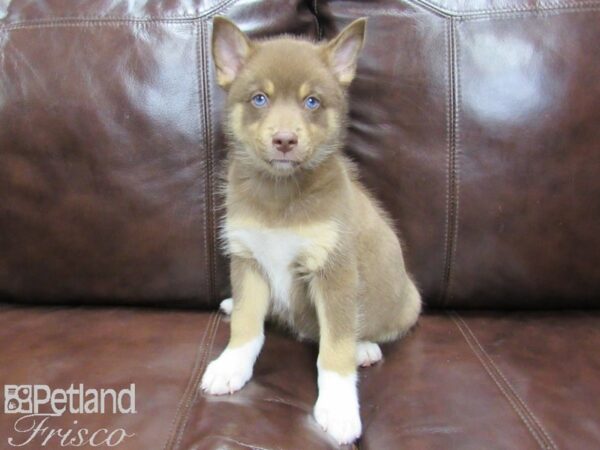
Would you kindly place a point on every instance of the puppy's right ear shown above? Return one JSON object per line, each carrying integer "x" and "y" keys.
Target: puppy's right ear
{"x": 343, "y": 50}
{"x": 230, "y": 48}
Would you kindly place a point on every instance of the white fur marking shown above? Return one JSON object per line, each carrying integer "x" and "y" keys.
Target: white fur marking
{"x": 337, "y": 409}
{"x": 227, "y": 306}
{"x": 232, "y": 369}
{"x": 367, "y": 353}
{"x": 275, "y": 251}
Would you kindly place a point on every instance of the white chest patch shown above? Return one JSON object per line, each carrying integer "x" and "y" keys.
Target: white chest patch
{"x": 276, "y": 249}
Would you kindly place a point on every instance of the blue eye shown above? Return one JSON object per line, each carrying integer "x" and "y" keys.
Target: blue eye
{"x": 260, "y": 100}
{"x": 312, "y": 103}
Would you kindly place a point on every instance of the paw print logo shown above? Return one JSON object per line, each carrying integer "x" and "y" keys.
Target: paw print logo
{"x": 17, "y": 399}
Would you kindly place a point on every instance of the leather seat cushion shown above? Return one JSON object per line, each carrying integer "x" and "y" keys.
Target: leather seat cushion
{"x": 464, "y": 380}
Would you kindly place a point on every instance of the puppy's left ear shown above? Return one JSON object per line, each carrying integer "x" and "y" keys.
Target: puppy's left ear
{"x": 230, "y": 48}
{"x": 342, "y": 52}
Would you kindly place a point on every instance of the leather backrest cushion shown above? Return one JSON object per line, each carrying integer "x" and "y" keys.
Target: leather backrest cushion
{"x": 109, "y": 147}
{"x": 476, "y": 124}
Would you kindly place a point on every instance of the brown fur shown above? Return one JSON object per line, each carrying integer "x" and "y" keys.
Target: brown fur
{"x": 349, "y": 282}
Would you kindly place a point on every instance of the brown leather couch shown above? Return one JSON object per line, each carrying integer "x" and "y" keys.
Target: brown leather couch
{"x": 477, "y": 124}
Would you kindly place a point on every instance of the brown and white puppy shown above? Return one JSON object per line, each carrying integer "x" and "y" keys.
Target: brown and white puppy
{"x": 309, "y": 246}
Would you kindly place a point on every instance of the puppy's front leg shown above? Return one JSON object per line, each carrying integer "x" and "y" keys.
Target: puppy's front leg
{"x": 335, "y": 297}
{"x": 233, "y": 368}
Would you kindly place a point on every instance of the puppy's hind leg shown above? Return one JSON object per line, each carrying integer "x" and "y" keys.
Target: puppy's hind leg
{"x": 407, "y": 314}
{"x": 233, "y": 368}
{"x": 411, "y": 307}
{"x": 367, "y": 353}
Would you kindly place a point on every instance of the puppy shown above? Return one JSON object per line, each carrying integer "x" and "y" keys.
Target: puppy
{"x": 309, "y": 246}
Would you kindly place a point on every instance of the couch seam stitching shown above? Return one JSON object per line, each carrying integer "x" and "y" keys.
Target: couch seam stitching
{"x": 240, "y": 443}
{"x": 448, "y": 81}
{"x": 209, "y": 223}
{"x": 198, "y": 358}
{"x": 89, "y": 24}
{"x": 196, "y": 381}
{"x": 529, "y": 14}
{"x": 317, "y": 21}
{"x": 210, "y": 12}
{"x": 215, "y": 245}
{"x": 511, "y": 388}
{"x": 451, "y": 171}
{"x": 546, "y": 6}
{"x": 199, "y": 87}
{"x": 456, "y": 164}
{"x": 499, "y": 386}
{"x": 174, "y": 20}
{"x": 493, "y": 374}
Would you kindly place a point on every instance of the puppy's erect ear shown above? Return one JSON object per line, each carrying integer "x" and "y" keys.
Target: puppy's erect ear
{"x": 343, "y": 50}
{"x": 230, "y": 48}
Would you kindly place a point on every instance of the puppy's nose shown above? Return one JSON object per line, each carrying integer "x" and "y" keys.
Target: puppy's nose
{"x": 285, "y": 141}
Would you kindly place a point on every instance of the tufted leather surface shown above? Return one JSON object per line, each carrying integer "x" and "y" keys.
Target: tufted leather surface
{"x": 104, "y": 348}
{"x": 479, "y": 132}
{"x": 457, "y": 381}
{"x": 474, "y": 122}
{"x": 110, "y": 152}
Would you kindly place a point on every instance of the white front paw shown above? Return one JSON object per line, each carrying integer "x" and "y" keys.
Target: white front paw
{"x": 225, "y": 376}
{"x": 337, "y": 409}
{"x": 232, "y": 370}
{"x": 226, "y": 306}
{"x": 340, "y": 421}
